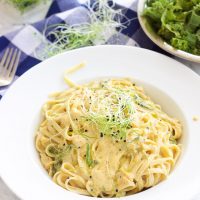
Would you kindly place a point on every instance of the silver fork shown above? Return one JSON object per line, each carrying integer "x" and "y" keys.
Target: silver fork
{"x": 8, "y": 66}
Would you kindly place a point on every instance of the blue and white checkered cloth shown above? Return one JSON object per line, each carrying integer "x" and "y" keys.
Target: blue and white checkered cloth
{"x": 28, "y": 38}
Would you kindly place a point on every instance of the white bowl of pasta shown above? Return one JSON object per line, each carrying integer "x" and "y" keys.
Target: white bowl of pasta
{"x": 106, "y": 136}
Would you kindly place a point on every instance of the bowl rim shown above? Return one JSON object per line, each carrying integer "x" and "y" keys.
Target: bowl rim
{"x": 159, "y": 41}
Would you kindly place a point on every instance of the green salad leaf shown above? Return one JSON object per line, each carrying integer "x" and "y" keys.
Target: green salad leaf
{"x": 177, "y": 22}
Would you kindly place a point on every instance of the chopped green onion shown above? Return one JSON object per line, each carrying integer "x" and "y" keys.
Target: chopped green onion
{"x": 89, "y": 160}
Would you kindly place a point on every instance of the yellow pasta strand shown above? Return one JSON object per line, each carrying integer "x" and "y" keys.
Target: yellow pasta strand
{"x": 106, "y": 138}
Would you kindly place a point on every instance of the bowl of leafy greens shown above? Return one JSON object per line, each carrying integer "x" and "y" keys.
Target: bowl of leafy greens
{"x": 174, "y": 25}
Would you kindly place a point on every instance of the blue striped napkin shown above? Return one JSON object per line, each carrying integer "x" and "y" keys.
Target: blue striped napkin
{"x": 28, "y": 38}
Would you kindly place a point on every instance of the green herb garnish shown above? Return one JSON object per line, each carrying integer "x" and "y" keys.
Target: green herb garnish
{"x": 114, "y": 114}
{"x": 56, "y": 166}
{"x": 57, "y": 153}
{"x": 89, "y": 160}
{"x": 177, "y": 22}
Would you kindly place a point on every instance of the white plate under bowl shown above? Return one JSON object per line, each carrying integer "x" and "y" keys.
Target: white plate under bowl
{"x": 158, "y": 40}
{"x": 167, "y": 81}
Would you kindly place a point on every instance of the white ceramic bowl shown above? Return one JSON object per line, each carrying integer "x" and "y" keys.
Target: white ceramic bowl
{"x": 168, "y": 82}
{"x": 158, "y": 40}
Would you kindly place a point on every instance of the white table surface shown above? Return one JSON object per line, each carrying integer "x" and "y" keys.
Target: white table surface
{"x": 14, "y": 21}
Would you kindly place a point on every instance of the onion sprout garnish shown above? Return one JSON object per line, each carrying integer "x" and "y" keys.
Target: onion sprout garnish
{"x": 104, "y": 22}
{"x": 111, "y": 114}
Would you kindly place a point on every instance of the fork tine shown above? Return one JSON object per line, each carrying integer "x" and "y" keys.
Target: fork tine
{"x": 15, "y": 65}
{"x": 10, "y": 66}
{"x": 7, "y": 61}
{"x": 3, "y": 60}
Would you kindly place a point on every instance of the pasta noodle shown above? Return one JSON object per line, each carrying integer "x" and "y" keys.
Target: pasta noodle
{"x": 107, "y": 139}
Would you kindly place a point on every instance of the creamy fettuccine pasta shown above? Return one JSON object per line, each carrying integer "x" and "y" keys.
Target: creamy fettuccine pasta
{"x": 107, "y": 139}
